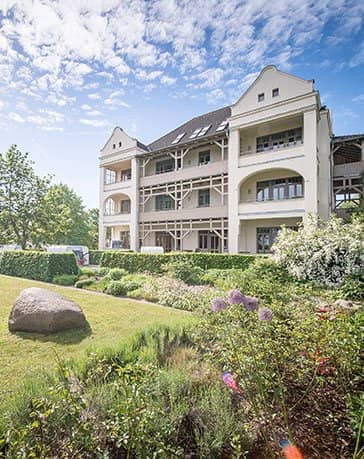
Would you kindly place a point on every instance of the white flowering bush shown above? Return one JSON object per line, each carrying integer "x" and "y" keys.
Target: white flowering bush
{"x": 326, "y": 252}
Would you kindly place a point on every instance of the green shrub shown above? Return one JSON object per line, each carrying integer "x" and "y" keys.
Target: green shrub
{"x": 116, "y": 273}
{"x": 115, "y": 288}
{"x": 352, "y": 288}
{"x": 149, "y": 398}
{"x": 296, "y": 367}
{"x": 65, "y": 279}
{"x": 95, "y": 256}
{"x": 185, "y": 271}
{"x": 103, "y": 271}
{"x": 85, "y": 282}
{"x": 154, "y": 263}
{"x": 87, "y": 272}
{"x": 43, "y": 266}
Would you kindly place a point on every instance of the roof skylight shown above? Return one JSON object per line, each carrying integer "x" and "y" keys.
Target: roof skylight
{"x": 204, "y": 130}
{"x": 222, "y": 125}
{"x": 195, "y": 133}
{"x": 178, "y": 138}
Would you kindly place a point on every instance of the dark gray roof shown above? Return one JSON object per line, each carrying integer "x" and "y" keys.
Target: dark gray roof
{"x": 141, "y": 145}
{"x": 214, "y": 118}
{"x": 346, "y": 138}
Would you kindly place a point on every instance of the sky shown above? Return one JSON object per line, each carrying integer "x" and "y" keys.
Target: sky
{"x": 72, "y": 70}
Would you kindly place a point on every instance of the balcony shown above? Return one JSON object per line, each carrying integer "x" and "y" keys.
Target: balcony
{"x": 349, "y": 169}
{"x": 117, "y": 217}
{"x": 273, "y": 148}
{"x": 123, "y": 184}
{"x": 188, "y": 172}
{"x": 185, "y": 214}
{"x": 293, "y": 207}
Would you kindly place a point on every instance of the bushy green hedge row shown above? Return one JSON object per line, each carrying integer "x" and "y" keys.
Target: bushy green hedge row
{"x": 138, "y": 262}
{"x": 95, "y": 256}
{"x": 41, "y": 266}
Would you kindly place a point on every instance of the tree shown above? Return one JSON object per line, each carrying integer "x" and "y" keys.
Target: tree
{"x": 94, "y": 228}
{"x": 68, "y": 220}
{"x": 22, "y": 198}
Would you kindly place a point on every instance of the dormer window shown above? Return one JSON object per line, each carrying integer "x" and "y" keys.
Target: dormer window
{"x": 275, "y": 92}
{"x": 261, "y": 97}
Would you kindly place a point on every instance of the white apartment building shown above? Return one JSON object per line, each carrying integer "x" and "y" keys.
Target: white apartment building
{"x": 227, "y": 180}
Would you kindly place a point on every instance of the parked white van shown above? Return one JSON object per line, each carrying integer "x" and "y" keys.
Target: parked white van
{"x": 81, "y": 252}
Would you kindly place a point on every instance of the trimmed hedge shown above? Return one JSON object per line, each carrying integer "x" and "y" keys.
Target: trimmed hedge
{"x": 43, "y": 266}
{"x": 139, "y": 262}
{"x": 95, "y": 256}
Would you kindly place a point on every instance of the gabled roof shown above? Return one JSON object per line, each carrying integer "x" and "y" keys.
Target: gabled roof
{"x": 214, "y": 119}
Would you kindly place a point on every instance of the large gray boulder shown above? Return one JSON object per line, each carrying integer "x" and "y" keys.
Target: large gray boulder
{"x": 42, "y": 311}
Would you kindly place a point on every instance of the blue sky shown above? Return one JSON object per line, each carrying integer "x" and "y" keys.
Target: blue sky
{"x": 71, "y": 70}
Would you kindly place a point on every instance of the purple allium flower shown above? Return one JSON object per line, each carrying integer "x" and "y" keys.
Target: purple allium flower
{"x": 218, "y": 304}
{"x": 265, "y": 314}
{"x": 236, "y": 297}
{"x": 251, "y": 303}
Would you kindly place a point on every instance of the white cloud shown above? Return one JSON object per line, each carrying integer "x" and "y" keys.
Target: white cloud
{"x": 51, "y": 48}
{"x": 86, "y": 107}
{"x": 168, "y": 80}
{"x": 94, "y": 123}
{"x": 359, "y": 98}
{"x": 16, "y": 117}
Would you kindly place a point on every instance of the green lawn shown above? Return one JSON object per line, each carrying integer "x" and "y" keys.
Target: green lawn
{"x": 111, "y": 320}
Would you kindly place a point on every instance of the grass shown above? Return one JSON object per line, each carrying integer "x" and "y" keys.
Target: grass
{"x": 112, "y": 321}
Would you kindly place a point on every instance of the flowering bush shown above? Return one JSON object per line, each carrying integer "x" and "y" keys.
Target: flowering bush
{"x": 175, "y": 293}
{"x": 292, "y": 366}
{"x": 324, "y": 252}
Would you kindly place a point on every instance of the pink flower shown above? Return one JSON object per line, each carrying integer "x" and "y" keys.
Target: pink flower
{"x": 236, "y": 297}
{"x": 265, "y": 314}
{"x": 251, "y": 303}
{"x": 218, "y": 304}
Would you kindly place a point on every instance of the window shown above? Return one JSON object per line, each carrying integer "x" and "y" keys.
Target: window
{"x": 110, "y": 207}
{"x": 119, "y": 144}
{"x": 261, "y": 97}
{"x": 222, "y": 125}
{"x": 203, "y": 130}
{"x": 167, "y": 165}
{"x": 204, "y": 157}
{"x": 110, "y": 176}
{"x": 178, "y": 138}
{"x": 195, "y": 133}
{"x": 124, "y": 239}
{"x": 204, "y": 198}
{"x": 275, "y": 92}
{"x": 208, "y": 241}
{"x": 125, "y": 206}
{"x": 267, "y": 236}
{"x": 125, "y": 175}
{"x": 279, "y": 140}
{"x": 164, "y": 202}
{"x": 279, "y": 189}
{"x": 114, "y": 146}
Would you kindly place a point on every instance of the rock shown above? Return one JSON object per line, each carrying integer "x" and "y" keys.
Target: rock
{"x": 343, "y": 304}
{"x": 42, "y": 311}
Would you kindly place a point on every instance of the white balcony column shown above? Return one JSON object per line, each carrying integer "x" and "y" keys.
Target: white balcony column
{"x": 311, "y": 168}
{"x": 233, "y": 195}
{"x": 101, "y": 209}
{"x": 134, "y": 204}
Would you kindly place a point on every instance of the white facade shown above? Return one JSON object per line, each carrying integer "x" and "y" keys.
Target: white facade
{"x": 228, "y": 189}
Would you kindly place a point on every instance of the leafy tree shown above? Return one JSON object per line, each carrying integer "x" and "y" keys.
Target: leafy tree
{"x": 93, "y": 215}
{"x": 68, "y": 220}
{"x": 22, "y": 199}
